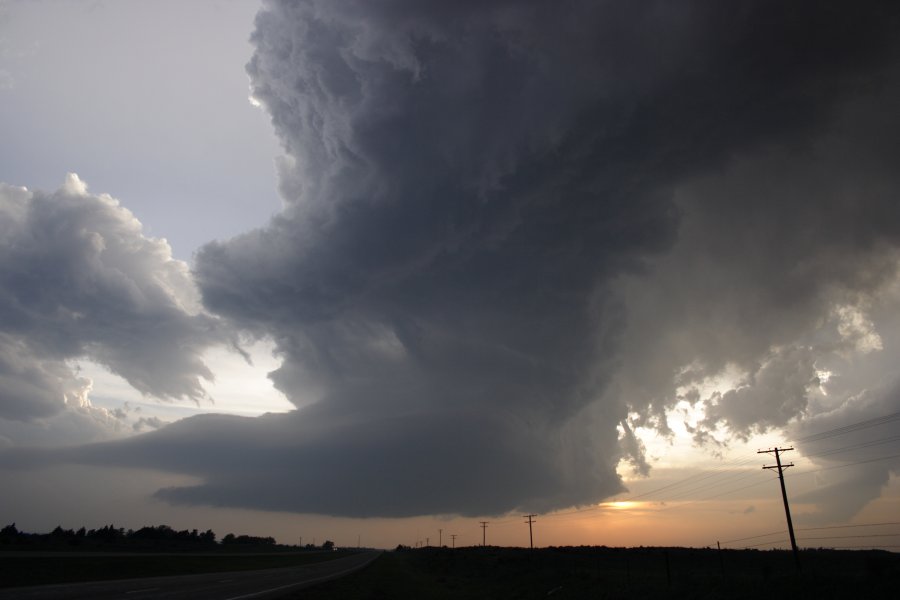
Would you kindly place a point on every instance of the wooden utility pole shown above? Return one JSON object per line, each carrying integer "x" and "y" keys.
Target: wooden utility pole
{"x": 453, "y": 537}
{"x": 721, "y": 560}
{"x": 530, "y": 537}
{"x": 484, "y": 525}
{"x": 787, "y": 509}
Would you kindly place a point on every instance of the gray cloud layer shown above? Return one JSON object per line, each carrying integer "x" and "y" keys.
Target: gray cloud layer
{"x": 511, "y": 225}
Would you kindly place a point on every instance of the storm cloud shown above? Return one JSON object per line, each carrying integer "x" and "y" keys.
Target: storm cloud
{"x": 472, "y": 190}
{"x": 79, "y": 280}
{"x": 513, "y": 230}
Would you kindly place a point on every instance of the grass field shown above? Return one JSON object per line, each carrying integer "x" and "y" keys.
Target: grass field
{"x": 17, "y": 569}
{"x": 513, "y": 573}
{"x": 643, "y": 573}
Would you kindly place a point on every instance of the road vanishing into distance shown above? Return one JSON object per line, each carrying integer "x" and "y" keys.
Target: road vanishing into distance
{"x": 234, "y": 585}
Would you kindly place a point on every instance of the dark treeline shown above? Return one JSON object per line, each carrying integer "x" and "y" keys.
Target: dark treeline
{"x": 160, "y": 537}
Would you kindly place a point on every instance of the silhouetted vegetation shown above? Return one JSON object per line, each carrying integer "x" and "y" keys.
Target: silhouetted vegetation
{"x": 110, "y": 552}
{"x": 159, "y": 538}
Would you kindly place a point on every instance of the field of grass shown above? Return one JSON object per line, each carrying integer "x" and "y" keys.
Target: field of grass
{"x": 18, "y": 569}
{"x": 641, "y": 573}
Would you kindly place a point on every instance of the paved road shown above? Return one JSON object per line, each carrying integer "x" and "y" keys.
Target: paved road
{"x": 237, "y": 585}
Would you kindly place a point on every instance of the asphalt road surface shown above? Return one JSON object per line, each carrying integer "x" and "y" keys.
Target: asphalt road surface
{"x": 237, "y": 585}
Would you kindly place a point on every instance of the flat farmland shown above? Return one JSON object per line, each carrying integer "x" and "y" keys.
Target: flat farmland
{"x": 499, "y": 573}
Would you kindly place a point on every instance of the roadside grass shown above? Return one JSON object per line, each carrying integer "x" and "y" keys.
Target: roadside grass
{"x": 506, "y": 573}
{"x": 29, "y": 569}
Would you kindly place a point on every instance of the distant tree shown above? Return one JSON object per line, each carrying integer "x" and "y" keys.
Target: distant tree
{"x": 9, "y": 531}
{"x": 228, "y": 539}
{"x": 107, "y": 533}
{"x": 328, "y": 546}
{"x": 59, "y": 532}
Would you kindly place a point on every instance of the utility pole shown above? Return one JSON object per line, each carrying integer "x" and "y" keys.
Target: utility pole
{"x": 484, "y": 525}
{"x": 428, "y": 542}
{"x": 787, "y": 510}
{"x": 530, "y": 537}
{"x": 440, "y": 538}
{"x": 453, "y": 537}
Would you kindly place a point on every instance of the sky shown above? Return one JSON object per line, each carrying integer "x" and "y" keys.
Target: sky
{"x": 380, "y": 271}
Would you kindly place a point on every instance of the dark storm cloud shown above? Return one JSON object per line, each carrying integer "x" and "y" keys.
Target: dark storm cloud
{"x": 79, "y": 280}
{"x": 509, "y": 225}
{"x": 786, "y": 264}
{"x": 466, "y": 186}
{"x": 785, "y": 273}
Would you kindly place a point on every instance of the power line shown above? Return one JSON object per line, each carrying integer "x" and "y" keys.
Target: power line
{"x": 850, "y": 526}
{"x": 753, "y": 537}
{"x": 698, "y": 477}
{"x": 689, "y": 479}
{"x": 725, "y": 493}
{"x": 850, "y": 428}
{"x": 847, "y": 537}
{"x": 867, "y": 444}
{"x": 873, "y": 546}
{"x": 732, "y": 478}
{"x": 849, "y": 464}
{"x": 733, "y": 475}
{"x": 763, "y": 544}
{"x": 678, "y": 506}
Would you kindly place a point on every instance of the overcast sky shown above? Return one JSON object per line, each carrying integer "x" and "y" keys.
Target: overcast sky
{"x": 329, "y": 268}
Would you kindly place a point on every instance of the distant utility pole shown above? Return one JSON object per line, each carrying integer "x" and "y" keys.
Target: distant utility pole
{"x": 483, "y": 531}
{"x": 428, "y": 542}
{"x": 530, "y": 537}
{"x": 787, "y": 510}
{"x": 453, "y": 537}
{"x": 440, "y": 538}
